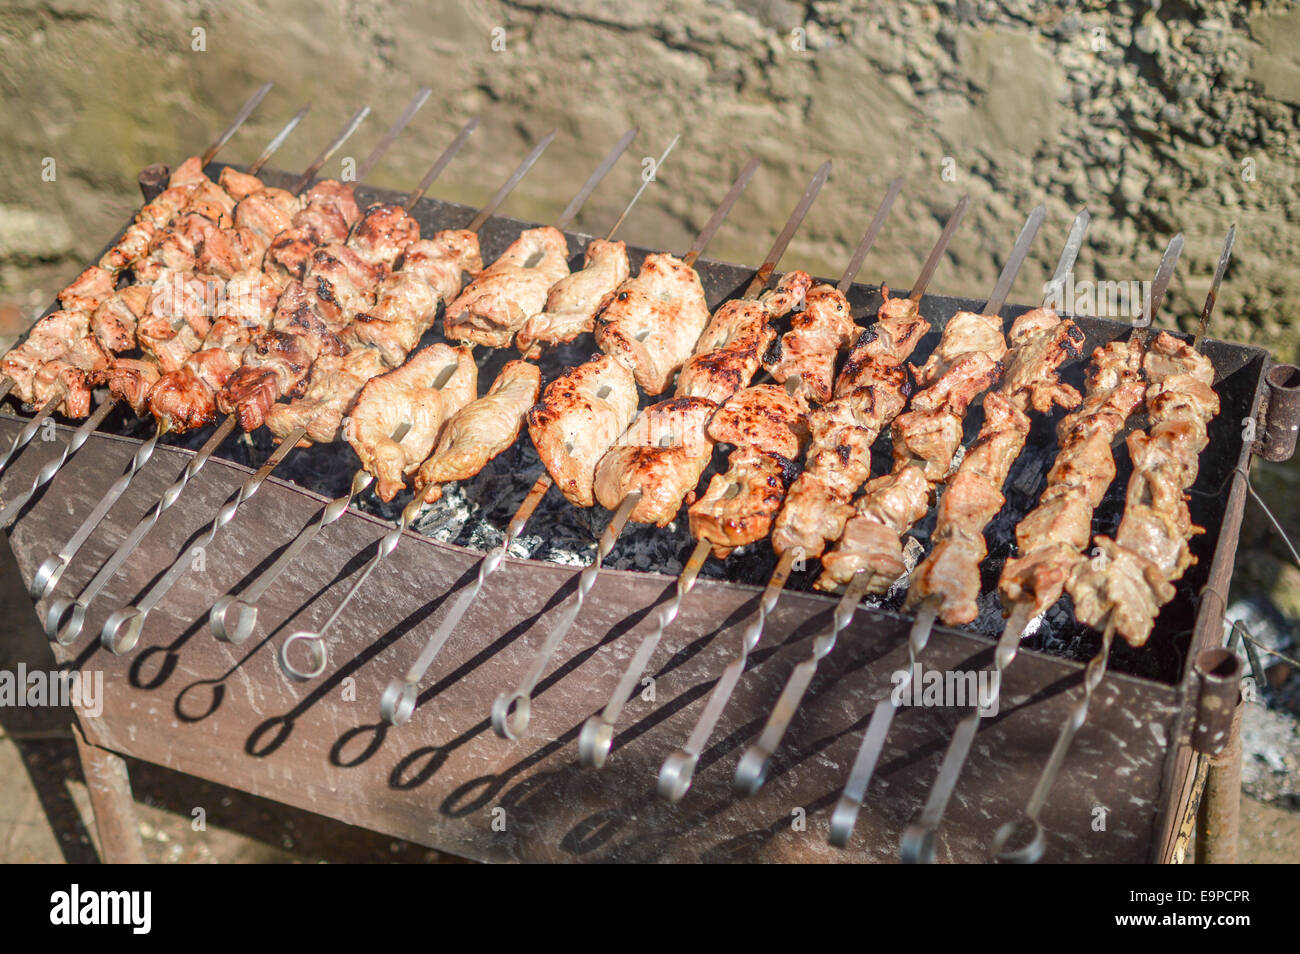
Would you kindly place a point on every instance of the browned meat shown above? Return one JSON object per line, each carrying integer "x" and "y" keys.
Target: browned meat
{"x": 1053, "y": 537}
{"x": 424, "y": 393}
{"x": 274, "y": 364}
{"x": 51, "y": 338}
{"x": 739, "y": 506}
{"x": 509, "y": 291}
{"x": 239, "y": 185}
{"x": 871, "y": 391}
{"x": 115, "y": 319}
{"x": 808, "y": 350}
{"x": 651, "y": 322}
{"x": 87, "y": 290}
{"x": 662, "y": 454}
{"x": 873, "y": 536}
{"x": 186, "y": 397}
{"x": 730, "y": 351}
{"x": 340, "y": 283}
{"x": 481, "y": 430}
{"x": 129, "y": 380}
{"x": 579, "y": 417}
{"x": 332, "y": 388}
{"x": 268, "y": 212}
{"x": 1134, "y": 576}
{"x": 383, "y": 233}
{"x": 573, "y": 301}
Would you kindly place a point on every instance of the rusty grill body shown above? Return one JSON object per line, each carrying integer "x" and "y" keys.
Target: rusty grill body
{"x": 227, "y": 713}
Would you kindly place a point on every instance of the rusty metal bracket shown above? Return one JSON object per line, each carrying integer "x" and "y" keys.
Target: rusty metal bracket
{"x": 1280, "y": 413}
{"x": 1219, "y": 673}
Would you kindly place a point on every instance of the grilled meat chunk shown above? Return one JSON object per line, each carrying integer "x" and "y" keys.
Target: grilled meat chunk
{"x": 662, "y": 454}
{"x": 730, "y": 351}
{"x": 481, "y": 430}
{"x": 808, "y": 350}
{"x": 579, "y": 417}
{"x": 420, "y": 396}
{"x": 651, "y": 322}
{"x": 573, "y": 301}
{"x": 332, "y": 388}
{"x": 509, "y": 291}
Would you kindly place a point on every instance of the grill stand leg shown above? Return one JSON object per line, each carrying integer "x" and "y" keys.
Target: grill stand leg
{"x": 1218, "y": 819}
{"x": 110, "y": 798}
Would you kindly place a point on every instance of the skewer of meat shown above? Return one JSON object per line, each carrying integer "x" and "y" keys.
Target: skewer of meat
{"x": 581, "y": 414}
{"x": 133, "y": 299}
{"x": 872, "y": 364}
{"x": 1040, "y": 343}
{"x": 383, "y": 233}
{"x": 397, "y": 414}
{"x": 67, "y": 617}
{"x": 63, "y": 336}
{"x": 918, "y": 842}
{"x": 1123, "y": 589}
{"x": 649, "y": 471}
{"x": 465, "y": 441}
{"x": 722, "y": 517}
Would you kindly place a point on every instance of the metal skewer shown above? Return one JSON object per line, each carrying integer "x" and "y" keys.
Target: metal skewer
{"x": 245, "y": 111}
{"x": 597, "y": 734}
{"x": 314, "y": 641}
{"x": 1096, "y": 667}
{"x": 918, "y": 842}
{"x": 241, "y": 627}
{"x": 678, "y": 769}
{"x": 67, "y": 617}
{"x": 91, "y": 424}
{"x": 123, "y": 628}
{"x": 845, "y": 815}
{"x": 397, "y": 704}
{"x": 511, "y": 711}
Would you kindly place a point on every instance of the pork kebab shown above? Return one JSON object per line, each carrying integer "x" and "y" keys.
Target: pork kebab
{"x": 918, "y": 843}
{"x": 581, "y": 414}
{"x": 766, "y": 424}
{"x": 651, "y": 468}
{"x": 50, "y": 366}
{"x": 327, "y": 215}
{"x": 872, "y": 366}
{"x": 473, "y": 436}
{"x": 394, "y": 423}
{"x": 313, "y": 336}
{"x": 249, "y": 298}
{"x": 1122, "y": 587}
{"x": 1040, "y": 342}
{"x": 124, "y": 322}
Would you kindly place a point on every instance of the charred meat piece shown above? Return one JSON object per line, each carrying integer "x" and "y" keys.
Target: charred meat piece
{"x": 509, "y": 291}
{"x": 481, "y": 430}
{"x": 651, "y": 322}
{"x": 739, "y": 506}
{"x": 130, "y": 380}
{"x": 332, "y": 388}
{"x": 572, "y": 303}
{"x": 424, "y": 393}
{"x": 662, "y": 454}
{"x": 408, "y": 300}
{"x": 807, "y": 351}
{"x": 579, "y": 417}
{"x": 1053, "y": 536}
{"x": 730, "y": 351}
{"x": 115, "y": 319}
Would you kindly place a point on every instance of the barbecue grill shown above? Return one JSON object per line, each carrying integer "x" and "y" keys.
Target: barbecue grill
{"x": 227, "y": 713}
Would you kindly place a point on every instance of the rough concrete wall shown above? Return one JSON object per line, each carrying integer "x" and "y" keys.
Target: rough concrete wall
{"x": 1147, "y": 113}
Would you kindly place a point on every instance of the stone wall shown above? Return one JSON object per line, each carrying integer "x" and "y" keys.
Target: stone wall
{"x": 1157, "y": 117}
